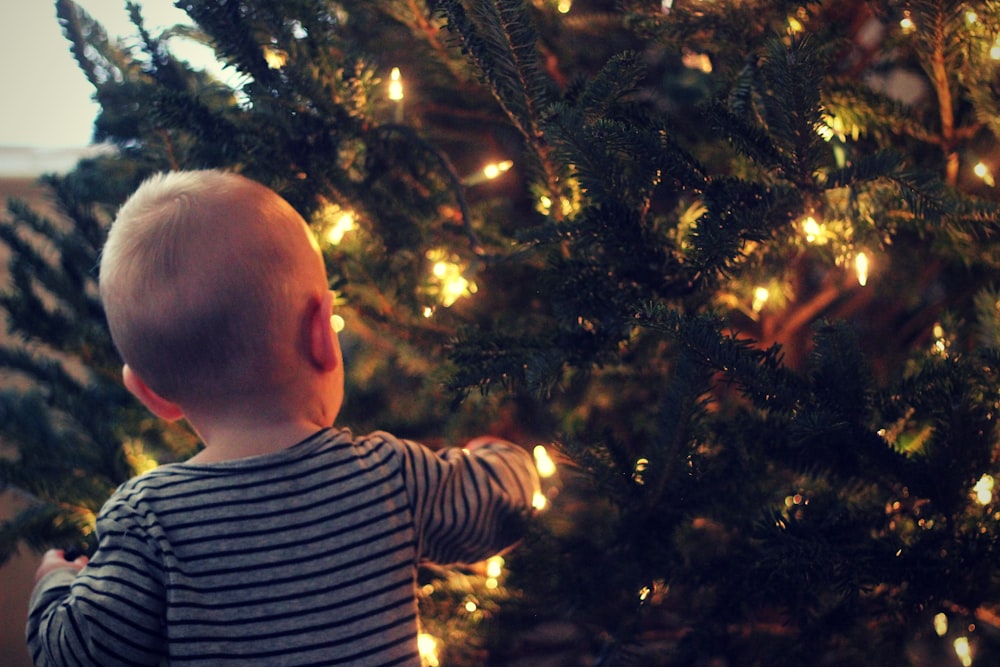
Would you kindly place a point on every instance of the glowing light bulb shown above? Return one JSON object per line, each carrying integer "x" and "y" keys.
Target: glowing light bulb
{"x": 971, "y": 17}
{"x": 343, "y": 223}
{"x": 493, "y": 170}
{"x": 395, "y": 85}
{"x": 448, "y": 282}
{"x": 941, "y": 624}
{"x": 995, "y": 50}
{"x": 760, "y": 297}
{"x": 564, "y": 6}
{"x": 638, "y": 471}
{"x": 963, "y": 650}
{"x": 983, "y": 172}
{"x": 337, "y": 323}
{"x": 699, "y": 61}
{"x": 984, "y": 489}
{"x": 543, "y": 462}
{"x": 812, "y": 229}
{"x": 906, "y": 23}
{"x": 494, "y": 567}
{"x": 539, "y": 501}
{"x": 471, "y": 606}
{"x": 428, "y": 647}
{"x": 861, "y": 265}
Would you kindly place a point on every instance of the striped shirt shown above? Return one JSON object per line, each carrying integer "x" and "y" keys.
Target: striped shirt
{"x": 303, "y": 557}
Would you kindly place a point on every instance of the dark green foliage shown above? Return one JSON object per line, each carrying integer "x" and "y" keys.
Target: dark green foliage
{"x": 763, "y": 461}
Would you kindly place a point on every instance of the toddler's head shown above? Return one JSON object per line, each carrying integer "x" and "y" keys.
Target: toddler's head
{"x": 205, "y": 278}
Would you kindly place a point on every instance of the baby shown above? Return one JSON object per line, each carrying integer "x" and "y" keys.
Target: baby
{"x": 286, "y": 540}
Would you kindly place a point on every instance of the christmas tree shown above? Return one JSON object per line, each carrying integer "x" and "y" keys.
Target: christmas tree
{"x": 729, "y": 264}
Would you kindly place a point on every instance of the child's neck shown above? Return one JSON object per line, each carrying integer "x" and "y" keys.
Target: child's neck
{"x": 229, "y": 442}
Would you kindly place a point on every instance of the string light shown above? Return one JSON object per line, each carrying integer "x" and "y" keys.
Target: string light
{"x": 489, "y": 172}
{"x": 963, "y": 650}
{"x": 543, "y": 462}
{"x": 137, "y": 458}
{"x": 698, "y": 61}
{"x": 564, "y": 6}
{"x": 984, "y": 489}
{"x": 906, "y": 23}
{"x": 343, "y": 222}
{"x": 396, "y": 93}
{"x": 448, "y": 283}
{"x": 941, "y": 624}
{"x": 538, "y": 501}
{"x": 639, "y": 470}
{"x": 983, "y": 172}
{"x": 995, "y": 50}
{"x": 337, "y": 323}
{"x": 760, "y": 297}
{"x": 428, "y": 647}
{"x": 861, "y": 265}
{"x": 940, "y": 346}
{"x": 812, "y": 230}
{"x": 395, "y": 85}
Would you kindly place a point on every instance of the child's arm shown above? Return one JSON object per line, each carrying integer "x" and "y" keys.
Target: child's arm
{"x": 104, "y": 611}
{"x": 469, "y": 503}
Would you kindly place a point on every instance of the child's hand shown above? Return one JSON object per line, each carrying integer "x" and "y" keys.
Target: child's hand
{"x": 55, "y": 559}
{"x": 483, "y": 440}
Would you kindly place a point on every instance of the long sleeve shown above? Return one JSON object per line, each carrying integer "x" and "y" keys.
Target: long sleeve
{"x": 109, "y": 614}
{"x": 469, "y": 504}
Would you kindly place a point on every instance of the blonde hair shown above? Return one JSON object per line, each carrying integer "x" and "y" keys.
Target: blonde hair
{"x": 202, "y": 279}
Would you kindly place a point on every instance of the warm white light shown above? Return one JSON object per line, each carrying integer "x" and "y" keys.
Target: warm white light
{"x": 698, "y": 61}
{"x": 995, "y": 50}
{"x": 963, "y": 651}
{"x": 337, "y": 322}
{"x": 343, "y": 224}
{"x": 395, "y": 85}
{"x": 906, "y": 23}
{"x": 539, "y": 501}
{"x": 984, "y": 489}
{"x": 495, "y": 169}
{"x": 760, "y": 297}
{"x": 861, "y": 266}
{"x": 471, "y": 606}
{"x": 564, "y": 6}
{"x": 811, "y": 229}
{"x": 941, "y": 624}
{"x": 428, "y": 647}
{"x": 451, "y": 284}
{"x": 983, "y": 172}
{"x": 639, "y": 470}
{"x": 543, "y": 462}
{"x": 494, "y": 567}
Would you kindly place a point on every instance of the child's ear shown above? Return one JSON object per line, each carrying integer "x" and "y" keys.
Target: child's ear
{"x": 156, "y": 404}
{"x": 324, "y": 348}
